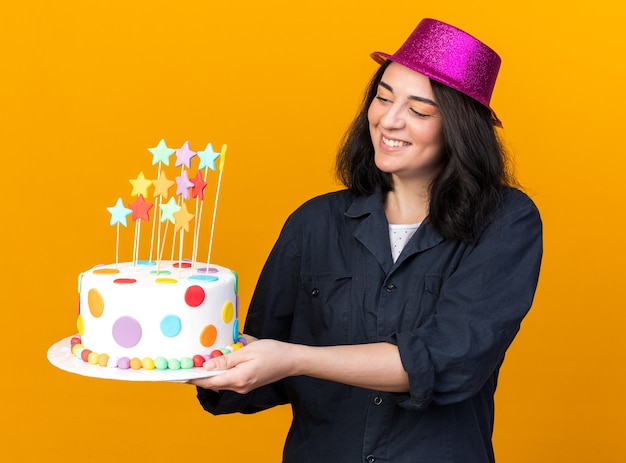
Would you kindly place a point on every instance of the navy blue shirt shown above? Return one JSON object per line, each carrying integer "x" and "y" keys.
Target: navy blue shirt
{"x": 451, "y": 308}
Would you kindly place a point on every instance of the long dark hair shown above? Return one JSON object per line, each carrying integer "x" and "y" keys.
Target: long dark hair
{"x": 468, "y": 189}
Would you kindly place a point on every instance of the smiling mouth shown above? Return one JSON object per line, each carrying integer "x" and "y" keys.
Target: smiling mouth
{"x": 394, "y": 143}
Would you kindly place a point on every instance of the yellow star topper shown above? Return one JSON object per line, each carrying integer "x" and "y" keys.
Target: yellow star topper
{"x": 140, "y": 185}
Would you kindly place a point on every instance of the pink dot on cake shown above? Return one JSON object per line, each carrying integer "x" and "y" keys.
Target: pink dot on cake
{"x": 124, "y": 281}
{"x": 126, "y": 331}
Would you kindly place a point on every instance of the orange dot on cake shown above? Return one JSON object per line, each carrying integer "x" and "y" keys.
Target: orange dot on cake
{"x": 95, "y": 302}
{"x": 208, "y": 336}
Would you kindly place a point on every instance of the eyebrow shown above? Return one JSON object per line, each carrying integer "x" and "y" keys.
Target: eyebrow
{"x": 411, "y": 97}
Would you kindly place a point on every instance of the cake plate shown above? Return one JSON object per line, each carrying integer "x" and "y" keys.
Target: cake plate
{"x": 60, "y": 355}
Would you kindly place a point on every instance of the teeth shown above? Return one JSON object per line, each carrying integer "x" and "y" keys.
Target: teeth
{"x": 394, "y": 143}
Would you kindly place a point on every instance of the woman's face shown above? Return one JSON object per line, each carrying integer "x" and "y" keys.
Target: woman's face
{"x": 405, "y": 125}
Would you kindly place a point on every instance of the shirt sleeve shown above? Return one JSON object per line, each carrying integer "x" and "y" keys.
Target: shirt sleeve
{"x": 478, "y": 313}
{"x": 269, "y": 317}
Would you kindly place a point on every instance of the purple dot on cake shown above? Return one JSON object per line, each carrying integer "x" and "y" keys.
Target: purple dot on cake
{"x": 126, "y": 331}
{"x": 207, "y": 270}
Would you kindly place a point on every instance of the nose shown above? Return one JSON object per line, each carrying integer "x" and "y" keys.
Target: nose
{"x": 393, "y": 117}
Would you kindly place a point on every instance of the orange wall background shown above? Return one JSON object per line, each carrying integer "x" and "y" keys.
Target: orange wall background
{"x": 87, "y": 87}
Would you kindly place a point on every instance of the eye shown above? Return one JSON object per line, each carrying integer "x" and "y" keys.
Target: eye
{"x": 382, "y": 99}
{"x": 417, "y": 113}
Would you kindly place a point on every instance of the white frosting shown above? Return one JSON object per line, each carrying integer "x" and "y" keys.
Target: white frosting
{"x": 146, "y": 303}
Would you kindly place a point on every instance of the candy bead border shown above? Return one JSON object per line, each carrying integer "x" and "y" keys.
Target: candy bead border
{"x": 147, "y": 363}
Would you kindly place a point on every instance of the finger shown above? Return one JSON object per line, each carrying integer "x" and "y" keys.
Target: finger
{"x": 224, "y": 362}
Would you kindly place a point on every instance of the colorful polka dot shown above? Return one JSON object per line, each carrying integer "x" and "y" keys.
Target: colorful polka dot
{"x": 207, "y": 270}
{"x": 236, "y": 329}
{"x": 126, "y": 331}
{"x": 182, "y": 265}
{"x": 160, "y": 272}
{"x": 194, "y": 296}
{"x": 124, "y": 281}
{"x": 146, "y": 263}
{"x": 170, "y": 325}
{"x": 165, "y": 281}
{"x": 106, "y": 271}
{"x": 80, "y": 281}
{"x": 95, "y": 302}
{"x": 208, "y": 336}
{"x": 205, "y": 278}
{"x": 228, "y": 312}
{"x": 80, "y": 325}
{"x": 236, "y": 281}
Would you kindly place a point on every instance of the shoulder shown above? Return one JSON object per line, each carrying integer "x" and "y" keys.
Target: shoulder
{"x": 323, "y": 208}
{"x": 516, "y": 215}
{"x": 515, "y": 201}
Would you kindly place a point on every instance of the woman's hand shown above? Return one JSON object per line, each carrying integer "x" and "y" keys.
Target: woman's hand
{"x": 255, "y": 365}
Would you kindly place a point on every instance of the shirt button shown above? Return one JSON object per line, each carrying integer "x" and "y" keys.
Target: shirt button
{"x": 391, "y": 288}
{"x": 315, "y": 292}
{"x": 370, "y": 459}
{"x": 378, "y": 400}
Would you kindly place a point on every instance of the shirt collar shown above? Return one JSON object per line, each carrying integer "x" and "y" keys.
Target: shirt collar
{"x": 373, "y": 230}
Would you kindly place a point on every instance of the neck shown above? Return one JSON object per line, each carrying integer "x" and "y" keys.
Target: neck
{"x": 407, "y": 204}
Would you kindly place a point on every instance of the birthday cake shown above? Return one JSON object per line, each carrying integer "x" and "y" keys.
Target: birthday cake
{"x": 157, "y": 313}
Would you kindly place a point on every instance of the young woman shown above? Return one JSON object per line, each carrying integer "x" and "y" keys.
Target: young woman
{"x": 384, "y": 311}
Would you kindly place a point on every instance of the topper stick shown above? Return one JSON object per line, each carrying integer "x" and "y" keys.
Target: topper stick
{"x": 158, "y": 254}
{"x": 163, "y": 244}
{"x": 154, "y": 221}
{"x": 117, "y": 245}
{"x": 196, "y": 231}
{"x": 173, "y": 244}
{"x": 197, "y": 224}
{"x": 180, "y": 251}
{"x": 217, "y": 193}
{"x": 180, "y": 202}
{"x": 136, "y": 242}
